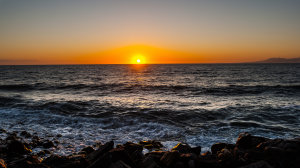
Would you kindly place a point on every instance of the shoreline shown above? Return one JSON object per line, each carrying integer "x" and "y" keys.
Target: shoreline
{"x": 16, "y": 151}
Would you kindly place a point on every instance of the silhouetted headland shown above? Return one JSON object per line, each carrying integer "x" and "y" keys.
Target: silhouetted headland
{"x": 280, "y": 60}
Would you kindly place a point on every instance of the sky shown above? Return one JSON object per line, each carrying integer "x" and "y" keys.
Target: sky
{"x": 155, "y": 31}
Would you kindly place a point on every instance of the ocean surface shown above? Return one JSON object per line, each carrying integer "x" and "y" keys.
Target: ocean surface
{"x": 198, "y": 104}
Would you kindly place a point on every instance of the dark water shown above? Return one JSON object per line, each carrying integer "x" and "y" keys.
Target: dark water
{"x": 197, "y": 104}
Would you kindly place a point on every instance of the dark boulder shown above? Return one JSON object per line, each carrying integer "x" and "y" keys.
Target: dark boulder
{"x": 18, "y": 147}
{"x": 88, "y": 150}
{"x": 151, "y": 145}
{"x": 65, "y": 161}
{"x": 215, "y": 148}
{"x": 149, "y": 162}
{"x": 121, "y": 154}
{"x": 182, "y": 148}
{"x": 259, "y": 164}
{"x": 100, "y": 151}
{"x": 25, "y": 134}
{"x": 247, "y": 141}
{"x": 48, "y": 144}
{"x": 169, "y": 158}
{"x": 196, "y": 150}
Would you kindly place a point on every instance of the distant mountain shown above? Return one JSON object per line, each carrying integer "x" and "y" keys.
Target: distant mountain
{"x": 280, "y": 60}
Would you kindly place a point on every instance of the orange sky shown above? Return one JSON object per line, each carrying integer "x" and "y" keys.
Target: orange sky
{"x": 170, "y": 31}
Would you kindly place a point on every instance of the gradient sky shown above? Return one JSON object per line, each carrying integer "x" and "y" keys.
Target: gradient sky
{"x": 162, "y": 31}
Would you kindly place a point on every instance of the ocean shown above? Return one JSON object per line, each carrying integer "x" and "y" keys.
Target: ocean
{"x": 199, "y": 104}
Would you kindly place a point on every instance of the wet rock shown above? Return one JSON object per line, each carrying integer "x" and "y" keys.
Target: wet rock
{"x": 2, "y": 163}
{"x": 225, "y": 155}
{"x": 182, "y": 148}
{"x": 247, "y": 141}
{"x": 196, "y": 150}
{"x": 48, "y": 144}
{"x": 259, "y": 164}
{"x": 101, "y": 151}
{"x": 135, "y": 151}
{"x": 65, "y": 162}
{"x": 119, "y": 164}
{"x": 18, "y": 147}
{"x": 121, "y": 154}
{"x": 47, "y": 151}
{"x": 169, "y": 158}
{"x": 149, "y": 162}
{"x": 25, "y": 134}
{"x": 191, "y": 164}
{"x": 150, "y": 145}
{"x": 132, "y": 147}
{"x": 58, "y": 135}
{"x": 41, "y": 153}
{"x": 215, "y": 148}
{"x": 88, "y": 150}
{"x": 28, "y": 162}
{"x": 179, "y": 165}
{"x": 156, "y": 155}
{"x": 11, "y": 137}
{"x": 185, "y": 157}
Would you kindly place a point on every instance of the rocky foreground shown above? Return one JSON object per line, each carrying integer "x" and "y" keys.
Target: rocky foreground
{"x": 248, "y": 152}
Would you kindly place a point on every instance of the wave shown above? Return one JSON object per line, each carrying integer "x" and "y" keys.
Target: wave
{"x": 176, "y": 89}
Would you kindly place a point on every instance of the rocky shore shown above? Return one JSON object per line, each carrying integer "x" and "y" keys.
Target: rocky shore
{"x": 248, "y": 152}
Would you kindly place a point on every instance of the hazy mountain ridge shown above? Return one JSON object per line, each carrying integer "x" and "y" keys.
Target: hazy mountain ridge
{"x": 280, "y": 60}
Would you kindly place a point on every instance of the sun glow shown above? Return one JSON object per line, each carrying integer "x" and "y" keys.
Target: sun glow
{"x": 138, "y": 59}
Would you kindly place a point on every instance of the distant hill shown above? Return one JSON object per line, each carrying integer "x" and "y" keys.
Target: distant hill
{"x": 280, "y": 60}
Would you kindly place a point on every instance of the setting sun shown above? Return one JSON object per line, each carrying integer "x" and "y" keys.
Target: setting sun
{"x": 138, "y": 59}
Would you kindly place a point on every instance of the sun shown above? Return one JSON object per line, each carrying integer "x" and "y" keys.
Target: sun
{"x": 138, "y": 59}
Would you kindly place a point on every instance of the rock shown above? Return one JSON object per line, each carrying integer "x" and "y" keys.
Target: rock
{"x": 156, "y": 155}
{"x": 28, "y": 162}
{"x": 149, "y": 162}
{"x": 191, "y": 164}
{"x": 119, "y": 164}
{"x": 41, "y": 153}
{"x": 150, "y": 145}
{"x": 103, "y": 161}
{"x": 224, "y": 155}
{"x": 2, "y": 130}
{"x": 2, "y": 163}
{"x": 185, "y": 157}
{"x": 18, "y": 147}
{"x": 169, "y": 158}
{"x": 217, "y": 147}
{"x": 179, "y": 165}
{"x": 65, "y": 162}
{"x": 247, "y": 141}
{"x": 259, "y": 164}
{"x": 196, "y": 150}
{"x": 25, "y": 134}
{"x": 182, "y": 148}
{"x": 101, "y": 151}
{"x": 88, "y": 150}
{"x": 48, "y": 144}
{"x": 121, "y": 154}
{"x": 11, "y": 137}
{"x": 132, "y": 147}
{"x": 135, "y": 151}
{"x": 58, "y": 135}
